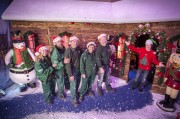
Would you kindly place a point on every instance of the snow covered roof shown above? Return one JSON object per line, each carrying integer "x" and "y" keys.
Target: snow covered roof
{"x": 97, "y": 11}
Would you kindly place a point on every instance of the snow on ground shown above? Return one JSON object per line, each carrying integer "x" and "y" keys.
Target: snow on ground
{"x": 124, "y": 104}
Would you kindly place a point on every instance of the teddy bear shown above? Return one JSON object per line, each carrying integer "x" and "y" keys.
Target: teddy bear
{"x": 172, "y": 81}
{"x": 20, "y": 61}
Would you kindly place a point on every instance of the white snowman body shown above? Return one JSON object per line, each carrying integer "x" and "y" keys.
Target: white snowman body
{"x": 17, "y": 75}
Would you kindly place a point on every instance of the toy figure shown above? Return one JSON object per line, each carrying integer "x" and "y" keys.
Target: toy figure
{"x": 172, "y": 80}
{"x": 20, "y": 60}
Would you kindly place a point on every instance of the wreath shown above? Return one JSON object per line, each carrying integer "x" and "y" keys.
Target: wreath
{"x": 65, "y": 33}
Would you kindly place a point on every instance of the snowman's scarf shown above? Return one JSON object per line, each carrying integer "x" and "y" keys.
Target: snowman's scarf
{"x": 18, "y": 59}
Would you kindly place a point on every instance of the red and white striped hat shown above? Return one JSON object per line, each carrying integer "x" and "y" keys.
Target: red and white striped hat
{"x": 55, "y": 39}
{"x": 39, "y": 48}
{"x": 91, "y": 43}
{"x": 102, "y": 35}
{"x": 73, "y": 38}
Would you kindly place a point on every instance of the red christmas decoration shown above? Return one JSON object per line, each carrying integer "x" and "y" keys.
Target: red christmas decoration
{"x": 160, "y": 40}
{"x": 88, "y": 24}
{"x": 161, "y": 50}
{"x": 124, "y": 52}
{"x": 160, "y": 74}
{"x": 120, "y": 64}
{"x": 170, "y": 46}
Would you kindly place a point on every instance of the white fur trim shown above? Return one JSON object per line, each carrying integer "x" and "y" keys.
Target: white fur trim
{"x": 43, "y": 48}
{"x": 90, "y": 43}
{"x": 149, "y": 42}
{"x": 57, "y": 39}
{"x": 73, "y": 38}
{"x": 36, "y": 53}
{"x": 102, "y": 35}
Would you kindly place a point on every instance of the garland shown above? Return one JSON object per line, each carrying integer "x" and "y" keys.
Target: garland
{"x": 65, "y": 33}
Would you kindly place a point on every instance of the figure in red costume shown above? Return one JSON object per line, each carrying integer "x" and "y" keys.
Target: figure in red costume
{"x": 172, "y": 80}
{"x": 146, "y": 57}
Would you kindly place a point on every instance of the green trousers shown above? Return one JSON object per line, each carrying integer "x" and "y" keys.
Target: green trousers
{"x": 60, "y": 82}
{"x": 75, "y": 84}
{"x": 86, "y": 85}
{"x": 66, "y": 80}
{"x": 48, "y": 89}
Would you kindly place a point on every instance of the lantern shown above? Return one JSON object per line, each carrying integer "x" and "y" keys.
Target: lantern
{"x": 31, "y": 42}
{"x": 120, "y": 48}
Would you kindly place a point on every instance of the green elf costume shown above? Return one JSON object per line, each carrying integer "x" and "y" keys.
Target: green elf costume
{"x": 73, "y": 68}
{"x": 57, "y": 58}
{"x": 44, "y": 72}
{"x": 88, "y": 69}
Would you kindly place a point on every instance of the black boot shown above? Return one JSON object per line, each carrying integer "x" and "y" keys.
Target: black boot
{"x": 62, "y": 97}
{"x": 49, "y": 101}
{"x": 100, "y": 92}
{"x": 75, "y": 103}
{"x": 166, "y": 100}
{"x": 141, "y": 86}
{"x": 91, "y": 93}
{"x": 169, "y": 107}
{"x": 81, "y": 98}
{"x": 110, "y": 89}
{"x": 170, "y": 104}
{"x": 32, "y": 85}
{"x": 134, "y": 85}
{"x": 23, "y": 88}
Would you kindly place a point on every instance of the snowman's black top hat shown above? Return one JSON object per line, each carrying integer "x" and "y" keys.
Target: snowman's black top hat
{"x": 17, "y": 37}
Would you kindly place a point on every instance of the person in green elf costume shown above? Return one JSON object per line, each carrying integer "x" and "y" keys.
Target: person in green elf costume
{"x": 88, "y": 70}
{"x": 73, "y": 68}
{"x": 44, "y": 71}
{"x": 103, "y": 54}
{"x": 146, "y": 57}
{"x": 57, "y": 59}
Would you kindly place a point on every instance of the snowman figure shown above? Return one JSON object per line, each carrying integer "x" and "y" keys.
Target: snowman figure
{"x": 20, "y": 60}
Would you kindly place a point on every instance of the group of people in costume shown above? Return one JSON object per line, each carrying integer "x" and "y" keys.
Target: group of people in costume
{"x": 79, "y": 66}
